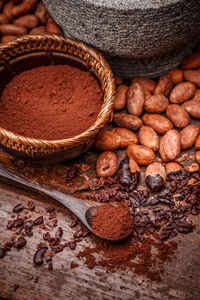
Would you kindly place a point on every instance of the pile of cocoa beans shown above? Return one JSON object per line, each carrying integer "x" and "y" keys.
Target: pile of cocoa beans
{"x": 19, "y": 17}
{"x": 154, "y": 116}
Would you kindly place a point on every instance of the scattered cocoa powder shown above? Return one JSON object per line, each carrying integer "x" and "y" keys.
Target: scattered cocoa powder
{"x": 50, "y": 102}
{"x": 112, "y": 222}
{"x": 130, "y": 254}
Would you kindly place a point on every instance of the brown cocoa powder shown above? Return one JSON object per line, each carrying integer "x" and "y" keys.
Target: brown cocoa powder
{"x": 112, "y": 222}
{"x": 50, "y": 102}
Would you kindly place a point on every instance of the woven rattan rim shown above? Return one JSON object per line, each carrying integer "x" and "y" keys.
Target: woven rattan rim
{"x": 48, "y": 42}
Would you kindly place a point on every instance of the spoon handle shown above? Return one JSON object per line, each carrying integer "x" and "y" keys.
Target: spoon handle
{"x": 77, "y": 206}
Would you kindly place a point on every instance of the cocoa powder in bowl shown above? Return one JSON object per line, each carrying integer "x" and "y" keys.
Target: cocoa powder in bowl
{"x": 50, "y": 102}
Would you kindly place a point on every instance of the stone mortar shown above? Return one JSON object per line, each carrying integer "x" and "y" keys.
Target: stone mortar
{"x": 138, "y": 37}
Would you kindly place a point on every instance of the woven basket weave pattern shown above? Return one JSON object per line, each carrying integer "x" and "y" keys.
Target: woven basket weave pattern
{"x": 49, "y": 44}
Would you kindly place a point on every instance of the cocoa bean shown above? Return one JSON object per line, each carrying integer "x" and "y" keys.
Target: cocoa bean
{"x": 148, "y": 137}
{"x": 7, "y": 10}
{"x": 197, "y": 144}
{"x": 188, "y": 136}
{"x": 11, "y": 29}
{"x": 135, "y": 99}
{"x": 38, "y": 30}
{"x": 120, "y": 97}
{"x": 178, "y": 115}
{"x": 146, "y": 83}
{"x": 28, "y": 21}
{"x": 41, "y": 13}
{"x": 118, "y": 80}
{"x": 155, "y": 176}
{"x": 38, "y": 257}
{"x": 107, "y": 140}
{"x": 26, "y": 7}
{"x": 147, "y": 94}
{"x": 126, "y": 136}
{"x": 4, "y": 19}
{"x": 193, "y": 76}
{"x": 141, "y": 154}
{"x": 176, "y": 75}
{"x": 7, "y": 38}
{"x": 156, "y": 103}
{"x": 191, "y": 61}
{"x": 52, "y": 27}
{"x": 170, "y": 145}
{"x": 182, "y": 92}
{"x": 107, "y": 164}
{"x": 159, "y": 123}
{"x": 164, "y": 85}
{"x": 192, "y": 107}
{"x": 134, "y": 166}
{"x": 127, "y": 121}
{"x": 172, "y": 167}
{"x": 124, "y": 173}
{"x": 197, "y": 156}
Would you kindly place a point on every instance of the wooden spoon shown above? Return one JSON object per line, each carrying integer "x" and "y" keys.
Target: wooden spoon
{"x": 83, "y": 209}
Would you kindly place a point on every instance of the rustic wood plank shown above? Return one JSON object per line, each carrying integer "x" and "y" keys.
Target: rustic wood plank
{"x": 181, "y": 280}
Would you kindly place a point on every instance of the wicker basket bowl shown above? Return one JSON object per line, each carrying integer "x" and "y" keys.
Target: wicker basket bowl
{"x": 37, "y": 50}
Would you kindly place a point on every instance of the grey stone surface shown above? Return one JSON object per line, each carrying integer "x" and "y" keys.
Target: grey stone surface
{"x": 138, "y": 37}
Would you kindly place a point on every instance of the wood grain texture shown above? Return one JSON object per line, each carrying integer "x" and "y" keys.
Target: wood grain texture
{"x": 181, "y": 278}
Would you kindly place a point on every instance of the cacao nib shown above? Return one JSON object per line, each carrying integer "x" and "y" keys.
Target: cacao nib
{"x": 18, "y": 208}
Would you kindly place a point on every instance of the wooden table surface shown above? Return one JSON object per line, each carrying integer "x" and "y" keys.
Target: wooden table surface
{"x": 181, "y": 278}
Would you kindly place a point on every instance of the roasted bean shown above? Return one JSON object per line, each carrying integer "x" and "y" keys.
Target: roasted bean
{"x": 135, "y": 99}
{"x": 197, "y": 156}
{"x": 120, "y": 97}
{"x": 28, "y": 21}
{"x": 52, "y": 27}
{"x": 164, "y": 85}
{"x": 127, "y": 121}
{"x": 107, "y": 164}
{"x": 126, "y": 136}
{"x": 178, "y": 115}
{"x": 156, "y": 103}
{"x": 41, "y": 13}
{"x": 191, "y": 61}
{"x": 38, "y": 257}
{"x": 176, "y": 75}
{"x": 182, "y": 92}
{"x": 118, "y": 80}
{"x": 155, "y": 176}
{"x": 192, "y": 107}
{"x": 38, "y": 30}
{"x": 59, "y": 233}
{"x": 148, "y": 137}
{"x": 170, "y": 145}
{"x": 3, "y": 19}
{"x": 26, "y": 7}
{"x": 124, "y": 172}
{"x": 193, "y": 76}
{"x": 11, "y": 29}
{"x": 158, "y": 122}
{"x": 189, "y": 135}
{"x": 18, "y": 208}
{"x": 141, "y": 154}
{"x": 107, "y": 140}
{"x": 146, "y": 83}
{"x": 172, "y": 167}
{"x": 197, "y": 143}
{"x": 20, "y": 243}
